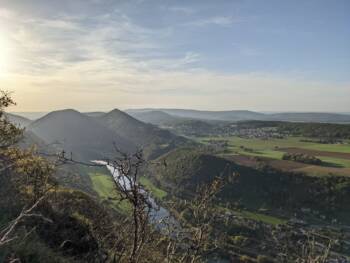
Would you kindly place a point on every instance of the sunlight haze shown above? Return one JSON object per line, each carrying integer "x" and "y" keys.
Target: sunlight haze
{"x": 100, "y": 55}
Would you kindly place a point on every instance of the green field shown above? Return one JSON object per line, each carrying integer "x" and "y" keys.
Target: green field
{"x": 270, "y": 144}
{"x": 272, "y": 220}
{"x": 104, "y": 186}
{"x": 271, "y": 148}
{"x": 156, "y": 192}
{"x": 341, "y": 163}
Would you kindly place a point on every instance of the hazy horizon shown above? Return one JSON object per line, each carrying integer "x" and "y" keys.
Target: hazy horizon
{"x": 224, "y": 55}
{"x": 155, "y": 109}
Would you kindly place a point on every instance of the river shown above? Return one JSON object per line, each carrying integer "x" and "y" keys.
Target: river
{"x": 158, "y": 214}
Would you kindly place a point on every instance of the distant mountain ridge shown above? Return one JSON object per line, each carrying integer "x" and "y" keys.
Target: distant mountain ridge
{"x": 95, "y": 136}
{"x": 310, "y": 117}
{"x": 239, "y": 115}
{"x": 155, "y": 117}
{"x": 234, "y": 115}
{"x": 18, "y": 120}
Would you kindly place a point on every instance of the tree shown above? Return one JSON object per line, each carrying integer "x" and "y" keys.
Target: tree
{"x": 24, "y": 176}
{"x": 126, "y": 180}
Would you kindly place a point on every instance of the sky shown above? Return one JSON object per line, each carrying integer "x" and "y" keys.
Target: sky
{"x": 97, "y": 55}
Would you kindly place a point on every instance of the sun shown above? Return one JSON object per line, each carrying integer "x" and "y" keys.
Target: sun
{"x": 5, "y": 54}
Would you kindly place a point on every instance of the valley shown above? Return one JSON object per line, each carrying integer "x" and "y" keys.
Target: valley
{"x": 153, "y": 131}
{"x": 265, "y": 192}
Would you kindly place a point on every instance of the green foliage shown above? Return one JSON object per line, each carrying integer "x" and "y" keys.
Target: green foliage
{"x": 33, "y": 250}
{"x": 9, "y": 133}
{"x": 302, "y": 158}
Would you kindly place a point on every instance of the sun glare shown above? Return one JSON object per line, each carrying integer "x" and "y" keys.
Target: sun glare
{"x": 4, "y": 54}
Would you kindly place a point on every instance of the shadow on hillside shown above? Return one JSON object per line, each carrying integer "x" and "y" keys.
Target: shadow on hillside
{"x": 332, "y": 165}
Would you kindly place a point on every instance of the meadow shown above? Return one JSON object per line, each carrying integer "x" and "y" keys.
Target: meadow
{"x": 104, "y": 187}
{"x": 335, "y": 157}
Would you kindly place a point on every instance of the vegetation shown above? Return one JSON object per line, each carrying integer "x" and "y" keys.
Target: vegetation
{"x": 153, "y": 140}
{"x": 156, "y": 191}
{"x": 271, "y": 189}
{"x": 61, "y": 208}
{"x": 303, "y": 158}
{"x": 334, "y": 157}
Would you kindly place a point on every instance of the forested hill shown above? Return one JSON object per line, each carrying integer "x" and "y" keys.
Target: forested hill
{"x": 187, "y": 168}
{"x": 77, "y": 133}
{"x": 309, "y": 129}
{"x": 152, "y": 139}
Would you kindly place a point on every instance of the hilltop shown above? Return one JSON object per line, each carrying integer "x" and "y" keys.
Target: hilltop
{"x": 153, "y": 140}
{"x": 75, "y": 132}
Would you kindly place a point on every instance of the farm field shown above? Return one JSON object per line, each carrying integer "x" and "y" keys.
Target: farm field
{"x": 336, "y": 157}
{"x": 289, "y": 142}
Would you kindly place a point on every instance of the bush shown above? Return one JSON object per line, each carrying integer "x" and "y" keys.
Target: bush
{"x": 263, "y": 259}
{"x": 301, "y": 158}
{"x": 245, "y": 259}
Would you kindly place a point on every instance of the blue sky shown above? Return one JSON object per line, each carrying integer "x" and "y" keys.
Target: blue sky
{"x": 97, "y": 55}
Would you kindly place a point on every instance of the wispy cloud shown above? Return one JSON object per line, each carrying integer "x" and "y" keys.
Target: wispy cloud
{"x": 182, "y": 10}
{"x": 113, "y": 60}
{"x": 216, "y": 20}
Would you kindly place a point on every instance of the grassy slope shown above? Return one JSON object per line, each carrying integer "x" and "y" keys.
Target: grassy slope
{"x": 263, "y": 218}
{"x": 156, "y": 192}
{"x": 104, "y": 186}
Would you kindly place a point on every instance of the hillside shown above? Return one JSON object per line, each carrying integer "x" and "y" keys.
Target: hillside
{"x": 234, "y": 115}
{"x": 311, "y": 117}
{"x": 186, "y": 169}
{"x": 94, "y": 113}
{"x": 74, "y": 132}
{"x": 18, "y": 120}
{"x": 30, "y": 115}
{"x": 155, "y": 117}
{"x": 153, "y": 140}
{"x": 30, "y": 139}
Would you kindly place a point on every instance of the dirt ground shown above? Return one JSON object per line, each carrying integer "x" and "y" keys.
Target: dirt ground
{"x": 289, "y": 166}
